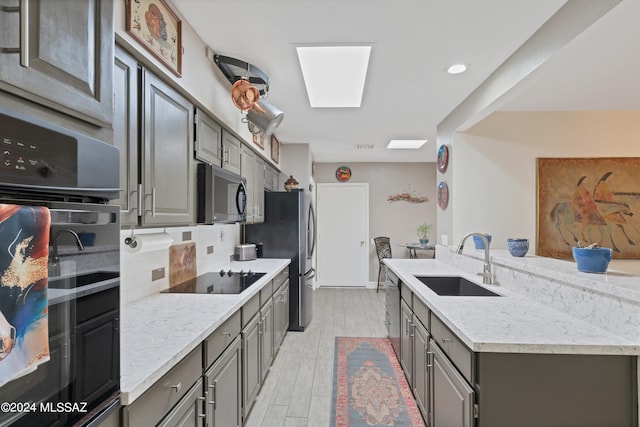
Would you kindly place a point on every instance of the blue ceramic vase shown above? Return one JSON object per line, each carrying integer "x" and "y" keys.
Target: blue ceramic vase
{"x": 518, "y": 247}
{"x": 592, "y": 260}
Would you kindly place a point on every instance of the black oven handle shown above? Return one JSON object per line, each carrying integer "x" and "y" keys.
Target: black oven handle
{"x": 241, "y": 198}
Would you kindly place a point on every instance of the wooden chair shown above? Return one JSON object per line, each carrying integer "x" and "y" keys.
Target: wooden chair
{"x": 383, "y": 250}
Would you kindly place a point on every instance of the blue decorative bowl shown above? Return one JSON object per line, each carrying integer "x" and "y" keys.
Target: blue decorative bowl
{"x": 594, "y": 260}
{"x": 477, "y": 240}
{"x": 518, "y": 247}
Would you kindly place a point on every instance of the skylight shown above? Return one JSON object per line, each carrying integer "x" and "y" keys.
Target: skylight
{"x": 334, "y": 75}
{"x": 405, "y": 144}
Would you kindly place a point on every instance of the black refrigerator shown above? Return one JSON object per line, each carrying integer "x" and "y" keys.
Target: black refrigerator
{"x": 288, "y": 231}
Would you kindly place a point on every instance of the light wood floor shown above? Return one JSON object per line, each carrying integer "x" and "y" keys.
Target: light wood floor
{"x": 297, "y": 391}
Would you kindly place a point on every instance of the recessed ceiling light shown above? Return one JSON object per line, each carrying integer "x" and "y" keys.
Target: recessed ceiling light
{"x": 406, "y": 143}
{"x": 457, "y": 69}
{"x": 334, "y": 75}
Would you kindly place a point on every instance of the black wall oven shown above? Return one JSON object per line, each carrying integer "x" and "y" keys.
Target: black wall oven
{"x": 66, "y": 178}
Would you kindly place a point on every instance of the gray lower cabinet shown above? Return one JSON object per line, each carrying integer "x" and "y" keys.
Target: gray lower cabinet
{"x": 223, "y": 382}
{"x": 189, "y": 412}
{"x": 67, "y": 66}
{"x": 453, "y": 398}
{"x": 267, "y": 329}
{"x": 456, "y": 387}
{"x": 161, "y": 401}
{"x": 251, "y": 364}
{"x": 421, "y": 386}
{"x": 281, "y": 313}
{"x": 406, "y": 340}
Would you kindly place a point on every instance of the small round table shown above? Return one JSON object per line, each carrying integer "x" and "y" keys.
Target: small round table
{"x": 414, "y": 247}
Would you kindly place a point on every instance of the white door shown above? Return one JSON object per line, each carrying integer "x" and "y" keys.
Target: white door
{"x": 343, "y": 227}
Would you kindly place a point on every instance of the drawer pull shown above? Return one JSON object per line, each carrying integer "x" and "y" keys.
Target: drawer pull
{"x": 226, "y": 334}
{"x": 445, "y": 340}
{"x": 201, "y": 414}
{"x": 175, "y": 387}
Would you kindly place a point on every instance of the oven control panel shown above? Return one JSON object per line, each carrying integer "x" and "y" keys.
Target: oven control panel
{"x": 32, "y": 154}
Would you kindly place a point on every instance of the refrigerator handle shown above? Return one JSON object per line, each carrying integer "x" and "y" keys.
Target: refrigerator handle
{"x": 310, "y": 274}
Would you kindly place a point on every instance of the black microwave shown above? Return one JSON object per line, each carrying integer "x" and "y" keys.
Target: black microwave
{"x": 222, "y": 196}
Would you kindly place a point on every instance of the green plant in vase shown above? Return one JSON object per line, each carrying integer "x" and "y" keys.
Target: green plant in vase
{"x": 423, "y": 232}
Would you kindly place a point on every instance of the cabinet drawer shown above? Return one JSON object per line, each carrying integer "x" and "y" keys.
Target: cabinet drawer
{"x": 459, "y": 354}
{"x": 156, "y": 402}
{"x": 219, "y": 339}
{"x": 422, "y": 312}
{"x": 249, "y": 309}
{"x": 281, "y": 277}
{"x": 406, "y": 294}
{"x": 266, "y": 293}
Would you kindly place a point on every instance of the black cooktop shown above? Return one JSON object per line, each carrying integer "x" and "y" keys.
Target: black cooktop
{"x": 223, "y": 282}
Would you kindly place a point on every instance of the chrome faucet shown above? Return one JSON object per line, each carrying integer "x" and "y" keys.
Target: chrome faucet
{"x": 55, "y": 263}
{"x": 487, "y": 276}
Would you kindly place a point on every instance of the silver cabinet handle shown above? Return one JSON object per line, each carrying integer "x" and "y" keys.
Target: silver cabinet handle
{"x": 22, "y": 11}
{"x": 430, "y": 357}
{"x": 153, "y": 202}
{"x": 213, "y": 393}
{"x": 226, "y": 334}
{"x": 445, "y": 340}
{"x": 200, "y": 412}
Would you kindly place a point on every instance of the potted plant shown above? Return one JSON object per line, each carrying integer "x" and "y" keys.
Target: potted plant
{"x": 423, "y": 232}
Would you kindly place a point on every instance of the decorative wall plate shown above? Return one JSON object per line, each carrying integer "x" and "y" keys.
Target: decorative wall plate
{"x": 443, "y": 158}
{"x": 443, "y": 195}
{"x": 343, "y": 174}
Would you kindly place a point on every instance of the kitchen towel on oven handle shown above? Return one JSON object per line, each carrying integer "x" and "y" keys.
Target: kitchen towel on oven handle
{"x": 24, "y": 323}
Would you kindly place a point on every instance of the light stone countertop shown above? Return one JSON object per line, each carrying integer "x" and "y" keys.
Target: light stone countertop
{"x": 158, "y": 331}
{"x": 510, "y": 323}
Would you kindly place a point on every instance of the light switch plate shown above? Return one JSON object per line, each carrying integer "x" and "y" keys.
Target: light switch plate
{"x": 445, "y": 239}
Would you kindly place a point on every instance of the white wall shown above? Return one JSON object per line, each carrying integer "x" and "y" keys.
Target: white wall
{"x": 396, "y": 220}
{"x": 494, "y": 174}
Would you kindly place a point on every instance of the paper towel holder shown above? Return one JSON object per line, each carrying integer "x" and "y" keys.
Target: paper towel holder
{"x": 131, "y": 240}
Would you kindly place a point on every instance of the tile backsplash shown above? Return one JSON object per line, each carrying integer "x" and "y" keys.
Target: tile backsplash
{"x": 136, "y": 267}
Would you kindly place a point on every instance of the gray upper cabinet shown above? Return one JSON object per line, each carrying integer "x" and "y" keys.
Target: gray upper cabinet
{"x": 208, "y": 139}
{"x": 59, "y": 54}
{"x": 168, "y": 178}
{"x": 231, "y": 148}
{"x": 125, "y": 134}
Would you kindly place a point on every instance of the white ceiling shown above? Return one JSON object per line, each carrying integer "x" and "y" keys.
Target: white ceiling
{"x": 408, "y": 91}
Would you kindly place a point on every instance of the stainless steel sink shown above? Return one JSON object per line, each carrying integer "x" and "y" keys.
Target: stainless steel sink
{"x": 455, "y": 286}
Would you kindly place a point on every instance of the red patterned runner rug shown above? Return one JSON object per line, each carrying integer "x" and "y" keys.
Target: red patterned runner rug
{"x": 369, "y": 387}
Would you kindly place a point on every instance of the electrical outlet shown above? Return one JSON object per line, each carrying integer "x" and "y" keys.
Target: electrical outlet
{"x": 157, "y": 274}
{"x": 445, "y": 239}
{"x": 209, "y": 250}
{"x": 186, "y": 236}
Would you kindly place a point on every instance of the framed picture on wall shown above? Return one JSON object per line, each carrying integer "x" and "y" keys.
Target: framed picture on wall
{"x": 588, "y": 200}
{"x": 275, "y": 149}
{"x": 157, "y": 28}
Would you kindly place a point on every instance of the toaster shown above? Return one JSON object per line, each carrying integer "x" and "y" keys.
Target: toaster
{"x": 245, "y": 252}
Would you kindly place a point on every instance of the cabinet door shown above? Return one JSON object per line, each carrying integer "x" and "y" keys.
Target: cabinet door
{"x": 251, "y": 364}
{"x": 59, "y": 54}
{"x": 406, "y": 341}
{"x": 281, "y": 314}
{"x": 453, "y": 398}
{"x": 258, "y": 190}
{"x": 208, "y": 139}
{"x": 97, "y": 357}
{"x": 266, "y": 337}
{"x": 421, "y": 368}
{"x": 224, "y": 388}
{"x": 168, "y": 166}
{"x": 126, "y": 94}
{"x": 231, "y": 149}
{"x": 189, "y": 411}
{"x": 248, "y": 169}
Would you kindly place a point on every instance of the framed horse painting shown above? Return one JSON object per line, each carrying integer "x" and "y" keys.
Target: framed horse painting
{"x": 586, "y": 201}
